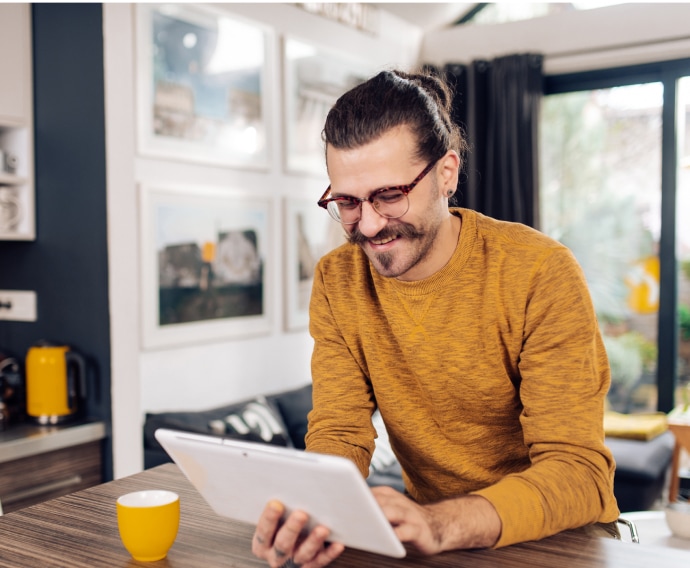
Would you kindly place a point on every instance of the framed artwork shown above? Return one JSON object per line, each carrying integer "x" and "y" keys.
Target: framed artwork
{"x": 309, "y": 234}
{"x": 204, "y": 265}
{"x": 314, "y": 79}
{"x": 201, "y": 85}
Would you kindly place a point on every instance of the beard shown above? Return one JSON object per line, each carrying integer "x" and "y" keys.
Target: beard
{"x": 420, "y": 239}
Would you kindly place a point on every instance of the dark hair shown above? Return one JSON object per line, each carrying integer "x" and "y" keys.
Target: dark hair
{"x": 421, "y": 101}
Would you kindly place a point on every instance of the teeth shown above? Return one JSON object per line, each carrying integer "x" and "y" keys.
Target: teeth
{"x": 383, "y": 241}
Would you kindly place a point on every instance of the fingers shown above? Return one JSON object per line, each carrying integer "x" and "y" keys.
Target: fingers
{"x": 266, "y": 529}
{"x": 325, "y": 556}
{"x": 288, "y": 538}
{"x": 314, "y": 552}
{"x": 394, "y": 504}
{"x": 411, "y": 522}
{"x": 277, "y": 541}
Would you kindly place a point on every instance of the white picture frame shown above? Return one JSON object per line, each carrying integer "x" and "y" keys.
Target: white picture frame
{"x": 205, "y": 265}
{"x": 314, "y": 78}
{"x": 310, "y": 233}
{"x": 202, "y": 85}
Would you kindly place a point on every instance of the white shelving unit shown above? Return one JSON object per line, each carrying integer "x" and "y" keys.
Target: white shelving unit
{"x": 17, "y": 206}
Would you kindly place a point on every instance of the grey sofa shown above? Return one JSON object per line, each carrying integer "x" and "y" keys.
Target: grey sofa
{"x": 278, "y": 418}
{"x": 281, "y": 418}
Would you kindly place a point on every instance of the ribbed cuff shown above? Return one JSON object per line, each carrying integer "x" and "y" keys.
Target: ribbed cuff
{"x": 519, "y": 507}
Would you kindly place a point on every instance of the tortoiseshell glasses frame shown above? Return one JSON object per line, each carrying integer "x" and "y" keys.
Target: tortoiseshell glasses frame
{"x": 390, "y": 202}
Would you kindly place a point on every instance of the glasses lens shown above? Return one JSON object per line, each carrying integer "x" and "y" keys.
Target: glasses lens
{"x": 391, "y": 203}
{"x": 345, "y": 210}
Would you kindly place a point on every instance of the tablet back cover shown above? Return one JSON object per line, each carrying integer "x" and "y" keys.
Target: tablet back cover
{"x": 239, "y": 478}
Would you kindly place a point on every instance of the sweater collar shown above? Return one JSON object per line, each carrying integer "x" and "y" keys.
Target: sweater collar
{"x": 450, "y": 272}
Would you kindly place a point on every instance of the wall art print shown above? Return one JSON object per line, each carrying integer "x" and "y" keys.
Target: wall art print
{"x": 204, "y": 265}
{"x": 314, "y": 79}
{"x": 202, "y": 85}
{"x": 309, "y": 234}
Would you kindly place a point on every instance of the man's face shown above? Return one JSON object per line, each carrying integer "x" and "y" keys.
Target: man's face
{"x": 401, "y": 248}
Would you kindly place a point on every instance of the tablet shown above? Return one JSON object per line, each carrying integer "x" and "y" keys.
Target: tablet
{"x": 239, "y": 478}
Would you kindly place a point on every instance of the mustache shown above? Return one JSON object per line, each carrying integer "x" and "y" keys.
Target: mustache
{"x": 403, "y": 230}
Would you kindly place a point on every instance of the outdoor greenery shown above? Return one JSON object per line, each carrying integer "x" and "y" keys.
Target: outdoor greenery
{"x": 591, "y": 151}
{"x": 684, "y": 321}
{"x": 599, "y": 162}
{"x": 685, "y": 268}
{"x": 630, "y": 355}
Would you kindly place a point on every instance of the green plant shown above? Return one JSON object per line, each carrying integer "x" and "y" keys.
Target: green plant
{"x": 624, "y": 360}
{"x": 646, "y": 349}
{"x": 630, "y": 354}
{"x": 684, "y": 321}
{"x": 685, "y": 268}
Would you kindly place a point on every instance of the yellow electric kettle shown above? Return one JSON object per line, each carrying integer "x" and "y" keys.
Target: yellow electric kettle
{"x": 55, "y": 383}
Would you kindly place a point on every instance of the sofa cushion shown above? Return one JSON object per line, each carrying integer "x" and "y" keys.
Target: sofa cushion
{"x": 383, "y": 457}
{"x": 641, "y": 470}
{"x": 254, "y": 417}
{"x": 384, "y": 468}
{"x": 294, "y": 407}
{"x": 254, "y": 420}
{"x": 642, "y": 460}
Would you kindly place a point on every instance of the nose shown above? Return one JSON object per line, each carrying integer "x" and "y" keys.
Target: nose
{"x": 371, "y": 222}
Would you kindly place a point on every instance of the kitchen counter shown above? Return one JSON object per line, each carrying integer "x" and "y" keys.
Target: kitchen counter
{"x": 38, "y": 463}
{"x": 27, "y": 439}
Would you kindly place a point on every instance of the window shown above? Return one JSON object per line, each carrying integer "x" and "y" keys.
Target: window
{"x": 613, "y": 190}
{"x": 683, "y": 244}
{"x": 489, "y": 13}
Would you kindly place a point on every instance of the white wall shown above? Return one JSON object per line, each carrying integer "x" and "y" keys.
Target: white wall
{"x": 206, "y": 375}
{"x": 613, "y": 36}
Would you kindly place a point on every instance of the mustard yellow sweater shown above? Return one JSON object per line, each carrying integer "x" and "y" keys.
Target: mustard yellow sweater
{"x": 490, "y": 376}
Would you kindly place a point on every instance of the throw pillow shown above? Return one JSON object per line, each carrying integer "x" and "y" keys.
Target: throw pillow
{"x": 294, "y": 407}
{"x": 254, "y": 418}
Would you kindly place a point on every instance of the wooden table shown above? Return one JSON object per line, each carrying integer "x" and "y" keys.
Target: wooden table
{"x": 80, "y": 530}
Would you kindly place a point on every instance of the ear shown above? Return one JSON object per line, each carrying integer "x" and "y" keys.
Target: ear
{"x": 448, "y": 168}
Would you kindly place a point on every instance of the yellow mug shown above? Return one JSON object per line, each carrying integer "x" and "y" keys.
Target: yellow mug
{"x": 148, "y": 523}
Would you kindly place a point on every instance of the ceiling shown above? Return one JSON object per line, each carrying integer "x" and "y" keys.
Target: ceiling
{"x": 427, "y": 15}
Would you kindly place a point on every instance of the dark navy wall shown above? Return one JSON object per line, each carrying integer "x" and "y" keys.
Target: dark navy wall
{"x": 67, "y": 265}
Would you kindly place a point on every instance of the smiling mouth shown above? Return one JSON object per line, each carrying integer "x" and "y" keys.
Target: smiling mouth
{"x": 383, "y": 241}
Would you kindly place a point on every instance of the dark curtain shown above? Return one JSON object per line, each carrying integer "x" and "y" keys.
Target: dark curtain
{"x": 497, "y": 105}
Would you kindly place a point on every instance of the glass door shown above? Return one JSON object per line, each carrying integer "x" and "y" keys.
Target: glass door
{"x": 600, "y": 159}
{"x": 682, "y": 395}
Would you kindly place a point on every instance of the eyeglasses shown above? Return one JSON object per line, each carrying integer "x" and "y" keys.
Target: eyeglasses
{"x": 389, "y": 202}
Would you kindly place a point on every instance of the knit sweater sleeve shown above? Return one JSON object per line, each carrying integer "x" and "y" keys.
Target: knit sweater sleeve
{"x": 340, "y": 422}
{"x": 564, "y": 380}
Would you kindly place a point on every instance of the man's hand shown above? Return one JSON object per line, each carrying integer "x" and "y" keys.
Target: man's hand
{"x": 277, "y": 542}
{"x": 464, "y": 522}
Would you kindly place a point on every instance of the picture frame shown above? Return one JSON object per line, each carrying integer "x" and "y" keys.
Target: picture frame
{"x": 310, "y": 233}
{"x": 314, "y": 78}
{"x": 205, "y": 266}
{"x": 202, "y": 85}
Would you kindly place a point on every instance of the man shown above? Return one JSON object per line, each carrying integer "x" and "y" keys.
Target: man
{"x": 475, "y": 338}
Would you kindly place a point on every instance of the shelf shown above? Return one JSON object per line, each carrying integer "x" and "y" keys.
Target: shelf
{"x": 17, "y": 198}
{"x": 11, "y": 179}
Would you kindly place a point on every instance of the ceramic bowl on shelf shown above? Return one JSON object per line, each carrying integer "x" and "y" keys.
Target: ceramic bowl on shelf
{"x": 678, "y": 518}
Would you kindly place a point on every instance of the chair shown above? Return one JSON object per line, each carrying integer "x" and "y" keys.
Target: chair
{"x": 632, "y": 528}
